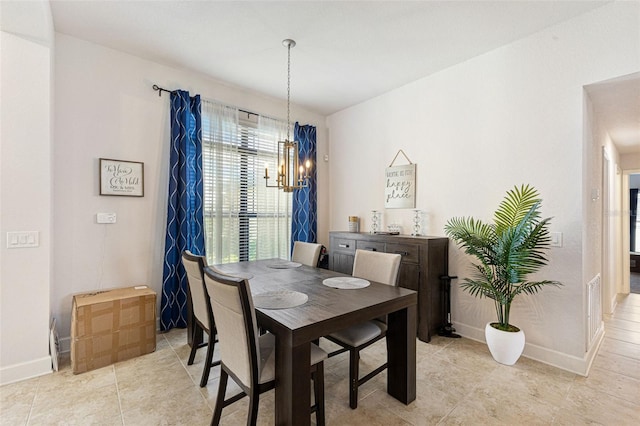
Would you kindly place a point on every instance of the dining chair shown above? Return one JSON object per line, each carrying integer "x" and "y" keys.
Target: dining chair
{"x": 203, "y": 316}
{"x": 306, "y": 253}
{"x": 247, "y": 356}
{"x": 382, "y": 268}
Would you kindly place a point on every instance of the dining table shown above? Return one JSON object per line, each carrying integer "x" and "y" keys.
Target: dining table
{"x": 325, "y": 310}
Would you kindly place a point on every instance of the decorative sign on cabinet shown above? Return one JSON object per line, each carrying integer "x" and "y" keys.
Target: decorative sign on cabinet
{"x": 424, "y": 261}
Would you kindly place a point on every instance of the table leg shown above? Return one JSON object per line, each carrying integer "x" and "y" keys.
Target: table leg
{"x": 401, "y": 354}
{"x": 293, "y": 383}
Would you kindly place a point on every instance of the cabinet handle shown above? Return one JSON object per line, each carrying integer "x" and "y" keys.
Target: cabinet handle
{"x": 371, "y": 248}
{"x": 343, "y": 245}
{"x": 402, "y": 253}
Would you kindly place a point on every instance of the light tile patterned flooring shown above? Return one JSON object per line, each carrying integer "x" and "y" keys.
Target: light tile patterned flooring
{"x": 458, "y": 383}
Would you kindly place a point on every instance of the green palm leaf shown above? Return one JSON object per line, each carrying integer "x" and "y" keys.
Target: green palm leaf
{"x": 508, "y": 250}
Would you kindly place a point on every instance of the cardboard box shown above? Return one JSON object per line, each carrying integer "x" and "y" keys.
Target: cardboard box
{"x": 111, "y": 326}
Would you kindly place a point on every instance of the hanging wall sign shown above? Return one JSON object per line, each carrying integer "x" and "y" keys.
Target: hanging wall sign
{"x": 400, "y": 185}
{"x": 121, "y": 178}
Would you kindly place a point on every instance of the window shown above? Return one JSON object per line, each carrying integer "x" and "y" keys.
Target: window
{"x": 243, "y": 219}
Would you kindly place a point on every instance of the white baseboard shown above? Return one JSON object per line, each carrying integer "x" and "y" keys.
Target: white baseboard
{"x": 38, "y": 367}
{"x": 25, "y": 370}
{"x": 548, "y": 356}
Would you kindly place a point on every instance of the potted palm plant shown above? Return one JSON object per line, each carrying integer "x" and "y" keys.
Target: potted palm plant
{"x": 508, "y": 250}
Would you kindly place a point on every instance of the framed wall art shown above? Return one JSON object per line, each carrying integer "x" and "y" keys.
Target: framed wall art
{"x": 119, "y": 177}
{"x": 400, "y": 185}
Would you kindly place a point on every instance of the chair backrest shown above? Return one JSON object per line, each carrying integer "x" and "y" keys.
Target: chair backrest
{"x": 235, "y": 317}
{"x": 194, "y": 266}
{"x": 306, "y": 253}
{"x": 377, "y": 266}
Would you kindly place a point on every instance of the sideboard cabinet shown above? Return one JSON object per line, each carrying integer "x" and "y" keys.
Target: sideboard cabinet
{"x": 424, "y": 261}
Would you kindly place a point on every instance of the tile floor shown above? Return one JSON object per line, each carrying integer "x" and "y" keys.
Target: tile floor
{"x": 458, "y": 384}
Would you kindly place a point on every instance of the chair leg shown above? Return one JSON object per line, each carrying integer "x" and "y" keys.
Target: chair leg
{"x": 222, "y": 389}
{"x": 254, "y": 402}
{"x": 354, "y": 361}
{"x": 194, "y": 344}
{"x": 207, "y": 363}
{"x": 318, "y": 393}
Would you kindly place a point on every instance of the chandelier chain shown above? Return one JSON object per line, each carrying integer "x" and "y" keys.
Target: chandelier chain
{"x": 288, "y": 90}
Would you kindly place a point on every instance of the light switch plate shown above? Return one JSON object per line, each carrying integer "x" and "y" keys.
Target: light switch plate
{"x": 23, "y": 239}
{"x": 556, "y": 239}
{"x": 106, "y": 217}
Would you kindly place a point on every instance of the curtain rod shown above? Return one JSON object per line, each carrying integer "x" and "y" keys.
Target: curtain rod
{"x": 161, "y": 89}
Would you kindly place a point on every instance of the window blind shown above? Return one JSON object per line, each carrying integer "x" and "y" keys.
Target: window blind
{"x": 244, "y": 220}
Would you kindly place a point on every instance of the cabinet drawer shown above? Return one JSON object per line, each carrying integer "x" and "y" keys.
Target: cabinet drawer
{"x": 344, "y": 245}
{"x": 410, "y": 253}
{"x": 370, "y": 245}
{"x": 342, "y": 262}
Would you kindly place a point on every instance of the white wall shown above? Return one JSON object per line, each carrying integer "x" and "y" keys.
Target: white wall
{"x": 603, "y": 207}
{"x": 25, "y": 192}
{"x": 511, "y": 116}
{"x": 105, "y": 107}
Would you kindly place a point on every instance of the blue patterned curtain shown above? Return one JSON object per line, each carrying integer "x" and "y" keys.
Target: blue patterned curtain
{"x": 304, "y": 221}
{"x": 185, "y": 228}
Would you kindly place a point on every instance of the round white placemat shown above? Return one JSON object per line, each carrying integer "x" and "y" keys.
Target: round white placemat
{"x": 280, "y": 299}
{"x": 284, "y": 265}
{"x": 346, "y": 282}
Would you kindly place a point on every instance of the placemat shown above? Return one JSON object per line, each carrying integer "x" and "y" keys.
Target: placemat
{"x": 284, "y": 265}
{"x": 346, "y": 282}
{"x": 280, "y": 299}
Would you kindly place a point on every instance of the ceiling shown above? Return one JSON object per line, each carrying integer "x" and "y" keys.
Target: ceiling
{"x": 347, "y": 51}
{"x": 616, "y": 103}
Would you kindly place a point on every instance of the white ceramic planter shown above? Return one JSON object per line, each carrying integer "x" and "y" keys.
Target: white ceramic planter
{"x": 505, "y": 346}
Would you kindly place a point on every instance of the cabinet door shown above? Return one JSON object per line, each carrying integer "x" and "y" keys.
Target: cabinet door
{"x": 409, "y": 276}
{"x": 342, "y": 262}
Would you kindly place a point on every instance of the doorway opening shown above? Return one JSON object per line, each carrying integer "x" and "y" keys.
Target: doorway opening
{"x": 634, "y": 233}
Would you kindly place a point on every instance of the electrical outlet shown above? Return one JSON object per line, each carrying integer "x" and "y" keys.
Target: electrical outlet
{"x": 105, "y": 217}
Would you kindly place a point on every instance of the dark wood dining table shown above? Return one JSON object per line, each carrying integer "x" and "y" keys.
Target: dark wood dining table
{"x": 328, "y": 310}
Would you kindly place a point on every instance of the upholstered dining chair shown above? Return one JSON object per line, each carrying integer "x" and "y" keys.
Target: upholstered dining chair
{"x": 247, "y": 356}
{"x": 306, "y": 253}
{"x": 374, "y": 266}
{"x": 203, "y": 317}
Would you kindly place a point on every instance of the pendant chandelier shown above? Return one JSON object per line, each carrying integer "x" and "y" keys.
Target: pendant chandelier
{"x": 290, "y": 174}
